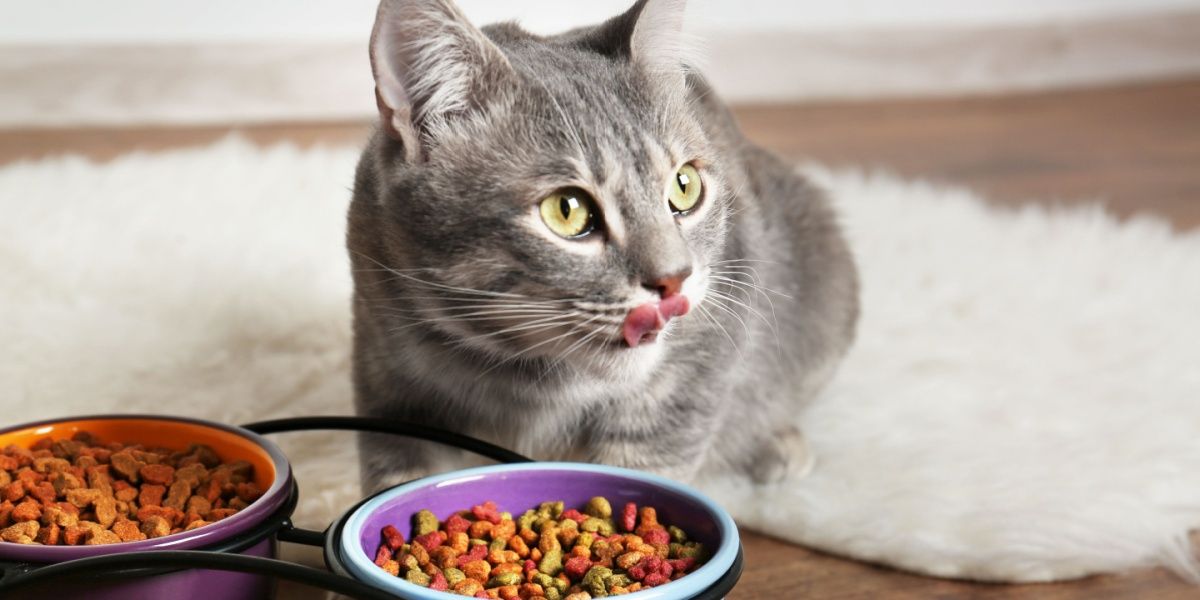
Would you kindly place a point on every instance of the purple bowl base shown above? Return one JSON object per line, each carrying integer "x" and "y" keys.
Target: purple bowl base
{"x": 191, "y": 584}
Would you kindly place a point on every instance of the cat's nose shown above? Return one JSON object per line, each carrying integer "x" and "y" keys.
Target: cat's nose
{"x": 668, "y": 285}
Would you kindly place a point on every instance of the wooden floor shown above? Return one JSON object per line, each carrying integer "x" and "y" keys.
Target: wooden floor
{"x": 1137, "y": 148}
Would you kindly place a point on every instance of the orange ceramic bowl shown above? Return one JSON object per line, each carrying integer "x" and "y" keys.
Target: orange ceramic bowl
{"x": 271, "y": 473}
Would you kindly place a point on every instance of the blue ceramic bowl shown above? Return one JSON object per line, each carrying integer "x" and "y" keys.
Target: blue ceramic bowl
{"x": 518, "y": 487}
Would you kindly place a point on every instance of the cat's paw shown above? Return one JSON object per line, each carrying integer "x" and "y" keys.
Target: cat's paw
{"x": 786, "y": 455}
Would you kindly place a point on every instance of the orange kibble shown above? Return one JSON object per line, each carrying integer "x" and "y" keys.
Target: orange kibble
{"x": 530, "y": 536}
{"x": 648, "y": 515}
{"x": 477, "y": 570}
{"x": 531, "y": 590}
{"x": 518, "y": 545}
{"x": 480, "y": 529}
{"x": 420, "y": 553}
{"x": 503, "y": 530}
{"x": 508, "y": 592}
{"x": 444, "y": 557}
{"x": 468, "y": 587}
{"x": 503, "y": 568}
{"x": 535, "y": 555}
{"x": 460, "y": 541}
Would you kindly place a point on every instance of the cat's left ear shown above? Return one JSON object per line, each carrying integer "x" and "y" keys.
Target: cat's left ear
{"x": 650, "y": 34}
{"x": 430, "y": 64}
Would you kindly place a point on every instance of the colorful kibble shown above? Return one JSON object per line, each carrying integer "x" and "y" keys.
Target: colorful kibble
{"x": 547, "y": 553}
{"x": 79, "y": 491}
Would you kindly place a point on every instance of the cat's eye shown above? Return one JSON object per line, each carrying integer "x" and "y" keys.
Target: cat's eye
{"x": 570, "y": 213}
{"x": 686, "y": 189}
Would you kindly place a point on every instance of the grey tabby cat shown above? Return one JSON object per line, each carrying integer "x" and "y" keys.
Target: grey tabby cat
{"x": 564, "y": 245}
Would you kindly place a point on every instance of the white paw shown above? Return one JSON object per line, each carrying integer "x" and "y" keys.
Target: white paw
{"x": 786, "y": 456}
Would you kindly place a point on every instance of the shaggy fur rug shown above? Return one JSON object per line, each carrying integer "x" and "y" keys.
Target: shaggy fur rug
{"x": 1023, "y": 402}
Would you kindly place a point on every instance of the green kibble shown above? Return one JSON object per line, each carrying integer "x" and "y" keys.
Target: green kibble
{"x": 506, "y": 516}
{"x": 498, "y": 544}
{"x": 616, "y": 580}
{"x": 552, "y": 593}
{"x": 598, "y": 507}
{"x": 477, "y": 542}
{"x": 504, "y": 579}
{"x": 424, "y": 522}
{"x": 562, "y": 586}
{"x": 597, "y": 525}
{"x": 408, "y": 561}
{"x": 453, "y": 576}
{"x": 543, "y": 580}
{"x": 551, "y": 563}
{"x": 677, "y": 534}
{"x": 593, "y": 581}
{"x": 552, "y": 509}
{"x": 691, "y": 550}
{"x": 585, "y": 539}
{"x": 526, "y": 520}
{"x": 417, "y": 577}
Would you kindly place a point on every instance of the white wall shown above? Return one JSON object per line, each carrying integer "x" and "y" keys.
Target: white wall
{"x": 171, "y": 62}
{"x": 188, "y": 21}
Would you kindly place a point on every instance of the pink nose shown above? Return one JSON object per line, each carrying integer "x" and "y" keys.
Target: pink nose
{"x": 644, "y": 322}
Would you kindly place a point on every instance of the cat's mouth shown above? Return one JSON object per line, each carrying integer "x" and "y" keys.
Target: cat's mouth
{"x": 643, "y": 324}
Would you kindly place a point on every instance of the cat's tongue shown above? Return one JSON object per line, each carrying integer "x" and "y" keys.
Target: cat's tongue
{"x": 644, "y": 322}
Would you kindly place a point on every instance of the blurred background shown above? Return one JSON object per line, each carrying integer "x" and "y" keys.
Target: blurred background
{"x": 1003, "y": 96}
{"x": 1027, "y": 101}
{"x": 245, "y": 61}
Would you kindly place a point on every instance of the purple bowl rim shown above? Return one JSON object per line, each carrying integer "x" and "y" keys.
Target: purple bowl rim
{"x": 356, "y": 565}
{"x": 224, "y": 529}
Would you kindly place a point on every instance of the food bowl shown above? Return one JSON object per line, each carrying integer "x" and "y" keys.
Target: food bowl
{"x": 249, "y": 532}
{"x": 351, "y": 544}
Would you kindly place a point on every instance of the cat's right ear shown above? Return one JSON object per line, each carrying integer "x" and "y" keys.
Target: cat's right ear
{"x": 430, "y": 63}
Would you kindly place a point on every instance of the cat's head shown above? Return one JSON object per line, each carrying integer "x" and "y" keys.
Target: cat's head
{"x": 544, "y": 197}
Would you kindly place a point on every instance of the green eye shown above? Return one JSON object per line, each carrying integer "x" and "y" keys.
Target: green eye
{"x": 568, "y": 213}
{"x": 686, "y": 189}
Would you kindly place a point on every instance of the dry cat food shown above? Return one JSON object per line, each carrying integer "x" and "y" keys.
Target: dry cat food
{"x": 545, "y": 554}
{"x": 69, "y": 492}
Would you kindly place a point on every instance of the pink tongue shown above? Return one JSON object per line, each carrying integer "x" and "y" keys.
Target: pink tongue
{"x": 644, "y": 322}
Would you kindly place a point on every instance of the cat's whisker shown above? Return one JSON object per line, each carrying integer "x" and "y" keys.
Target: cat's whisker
{"x": 761, "y": 288}
{"x": 708, "y": 316}
{"x": 772, "y": 324}
{"x": 740, "y": 269}
{"x": 514, "y": 357}
{"x": 741, "y": 260}
{"x": 739, "y": 302}
{"x": 745, "y": 286}
{"x": 717, "y": 303}
{"x": 433, "y": 320}
{"x": 561, "y": 360}
{"x": 536, "y": 324}
{"x": 402, "y": 275}
{"x": 600, "y": 307}
{"x": 473, "y": 309}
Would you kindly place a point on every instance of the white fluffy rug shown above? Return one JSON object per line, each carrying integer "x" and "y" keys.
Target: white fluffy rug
{"x": 1023, "y": 402}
